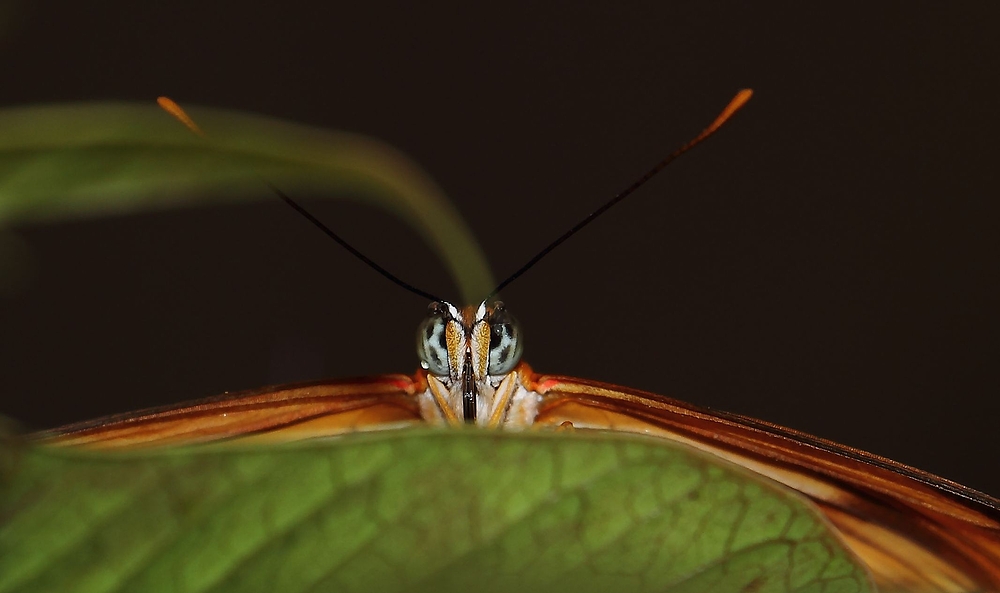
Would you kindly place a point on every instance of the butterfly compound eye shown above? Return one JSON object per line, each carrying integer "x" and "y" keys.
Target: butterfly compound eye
{"x": 432, "y": 346}
{"x": 505, "y": 341}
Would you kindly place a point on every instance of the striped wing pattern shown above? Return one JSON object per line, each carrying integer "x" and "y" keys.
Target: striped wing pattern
{"x": 272, "y": 414}
{"x": 915, "y": 531}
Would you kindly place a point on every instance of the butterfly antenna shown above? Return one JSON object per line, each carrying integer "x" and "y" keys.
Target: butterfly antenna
{"x": 734, "y": 105}
{"x": 175, "y": 110}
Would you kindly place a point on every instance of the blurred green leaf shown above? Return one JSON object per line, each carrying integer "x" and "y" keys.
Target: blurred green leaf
{"x": 441, "y": 510}
{"x": 59, "y": 162}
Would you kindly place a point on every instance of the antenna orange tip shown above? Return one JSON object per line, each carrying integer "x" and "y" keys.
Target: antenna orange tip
{"x": 735, "y": 104}
{"x": 167, "y": 104}
{"x": 738, "y": 101}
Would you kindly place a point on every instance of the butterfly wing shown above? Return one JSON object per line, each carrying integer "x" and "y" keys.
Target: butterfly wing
{"x": 916, "y": 531}
{"x": 272, "y": 414}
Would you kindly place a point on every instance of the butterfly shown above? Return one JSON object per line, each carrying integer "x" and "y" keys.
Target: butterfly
{"x": 913, "y": 530}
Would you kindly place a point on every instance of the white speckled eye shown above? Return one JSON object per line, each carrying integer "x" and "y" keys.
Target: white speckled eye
{"x": 432, "y": 346}
{"x": 505, "y": 341}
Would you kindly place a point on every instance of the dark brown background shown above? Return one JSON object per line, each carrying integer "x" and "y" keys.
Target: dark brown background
{"x": 829, "y": 262}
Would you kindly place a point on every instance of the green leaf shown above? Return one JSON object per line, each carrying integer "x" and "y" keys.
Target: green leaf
{"x": 441, "y": 510}
{"x": 59, "y": 162}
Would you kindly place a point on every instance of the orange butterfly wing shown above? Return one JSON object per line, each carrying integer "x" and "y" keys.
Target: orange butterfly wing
{"x": 916, "y": 531}
{"x": 272, "y": 414}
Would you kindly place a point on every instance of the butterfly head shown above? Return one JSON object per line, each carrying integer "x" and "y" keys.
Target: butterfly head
{"x": 469, "y": 351}
{"x": 487, "y": 335}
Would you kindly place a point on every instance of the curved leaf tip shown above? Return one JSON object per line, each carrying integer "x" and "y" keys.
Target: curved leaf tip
{"x": 59, "y": 162}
